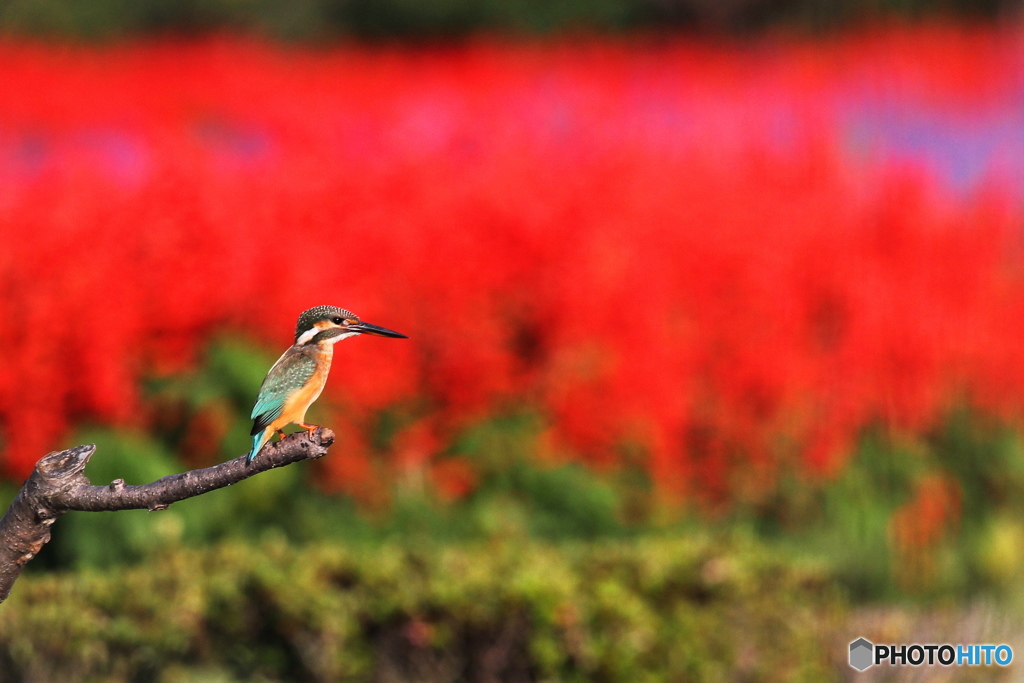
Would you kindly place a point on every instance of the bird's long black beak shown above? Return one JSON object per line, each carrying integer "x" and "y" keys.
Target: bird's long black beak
{"x": 367, "y": 328}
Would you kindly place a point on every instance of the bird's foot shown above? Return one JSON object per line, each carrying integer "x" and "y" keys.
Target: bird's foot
{"x": 281, "y": 434}
{"x": 309, "y": 428}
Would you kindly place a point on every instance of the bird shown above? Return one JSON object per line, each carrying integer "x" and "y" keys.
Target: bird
{"x": 295, "y": 381}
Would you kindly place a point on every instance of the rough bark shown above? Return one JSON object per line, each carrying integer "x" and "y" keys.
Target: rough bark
{"x": 58, "y": 485}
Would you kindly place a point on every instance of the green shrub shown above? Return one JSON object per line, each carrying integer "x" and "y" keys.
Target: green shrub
{"x": 673, "y": 609}
{"x": 378, "y": 19}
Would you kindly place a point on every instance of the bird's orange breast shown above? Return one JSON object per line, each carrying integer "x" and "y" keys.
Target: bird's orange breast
{"x": 296, "y": 405}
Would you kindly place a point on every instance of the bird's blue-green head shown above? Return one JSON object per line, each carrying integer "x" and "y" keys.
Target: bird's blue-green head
{"x": 332, "y": 324}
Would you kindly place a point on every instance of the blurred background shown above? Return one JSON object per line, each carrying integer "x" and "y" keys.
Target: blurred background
{"x": 716, "y": 315}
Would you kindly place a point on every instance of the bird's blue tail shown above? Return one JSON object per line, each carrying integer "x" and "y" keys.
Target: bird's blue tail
{"x": 257, "y": 443}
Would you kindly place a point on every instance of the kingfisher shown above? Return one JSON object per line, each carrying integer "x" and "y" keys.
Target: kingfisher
{"x": 299, "y": 375}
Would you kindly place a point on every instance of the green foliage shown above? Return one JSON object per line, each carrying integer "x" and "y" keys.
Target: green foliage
{"x": 325, "y": 19}
{"x": 852, "y": 521}
{"x": 687, "y": 608}
{"x": 557, "y": 503}
{"x": 567, "y": 501}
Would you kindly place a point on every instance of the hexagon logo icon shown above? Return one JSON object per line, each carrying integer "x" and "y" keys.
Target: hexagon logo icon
{"x": 860, "y": 654}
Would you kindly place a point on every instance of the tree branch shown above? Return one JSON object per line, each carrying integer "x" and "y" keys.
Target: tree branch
{"x": 58, "y": 485}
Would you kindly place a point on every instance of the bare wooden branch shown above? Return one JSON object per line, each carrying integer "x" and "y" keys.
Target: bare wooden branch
{"x": 58, "y": 484}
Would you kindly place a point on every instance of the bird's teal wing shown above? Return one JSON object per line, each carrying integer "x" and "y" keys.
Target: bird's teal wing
{"x": 290, "y": 372}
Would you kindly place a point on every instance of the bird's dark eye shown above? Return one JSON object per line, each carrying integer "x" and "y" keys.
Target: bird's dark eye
{"x": 337, "y": 320}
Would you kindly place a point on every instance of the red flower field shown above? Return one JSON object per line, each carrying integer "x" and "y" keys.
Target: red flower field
{"x": 731, "y": 259}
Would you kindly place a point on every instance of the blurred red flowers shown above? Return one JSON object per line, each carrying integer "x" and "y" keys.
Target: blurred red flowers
{"x": 733, "y": 260}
